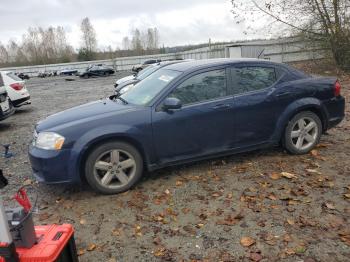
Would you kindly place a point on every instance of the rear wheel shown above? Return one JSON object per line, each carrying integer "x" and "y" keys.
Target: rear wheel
{"x": 113, "y": 167}
{"x": 303, "y": 133}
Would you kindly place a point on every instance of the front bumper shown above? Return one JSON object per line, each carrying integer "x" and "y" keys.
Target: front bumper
{"x": 51, "y": 166}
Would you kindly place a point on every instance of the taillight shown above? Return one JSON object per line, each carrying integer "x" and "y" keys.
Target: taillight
{"x": 337, "y": 88}
{"x": 16, "y": 86}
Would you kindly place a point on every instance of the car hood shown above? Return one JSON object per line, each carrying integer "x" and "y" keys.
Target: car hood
{"x": 124, "y": 79}
{"x": 84, "y": 112}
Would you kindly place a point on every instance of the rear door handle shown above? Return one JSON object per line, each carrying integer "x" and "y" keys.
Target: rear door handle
{"x": 221, "y": 106}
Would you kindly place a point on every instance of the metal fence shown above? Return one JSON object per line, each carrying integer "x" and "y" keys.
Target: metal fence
{"x": 284, "y": 50}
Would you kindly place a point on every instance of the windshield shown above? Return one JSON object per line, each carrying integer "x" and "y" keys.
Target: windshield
{"x": 146, "y": 72}
{"x": 143, "y": 92}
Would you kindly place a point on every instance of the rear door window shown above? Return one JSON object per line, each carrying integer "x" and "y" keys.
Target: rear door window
{"x": 252, "y": 78}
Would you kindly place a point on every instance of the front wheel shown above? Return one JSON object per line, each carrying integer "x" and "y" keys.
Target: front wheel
{"x": 113, "y": 167}
{"x": 303, "y": 133}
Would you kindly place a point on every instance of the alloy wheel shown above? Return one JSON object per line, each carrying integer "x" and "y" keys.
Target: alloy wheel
{"x": 304, "y": 133}
{"x": 115, "y": 168}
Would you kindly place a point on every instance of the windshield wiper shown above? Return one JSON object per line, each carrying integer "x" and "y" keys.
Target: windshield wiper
{"x": 117, "y": 96}
{"x": 122, "y": 99}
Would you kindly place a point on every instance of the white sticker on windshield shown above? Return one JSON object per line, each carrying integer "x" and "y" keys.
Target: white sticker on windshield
{"x": 165, "y": 78}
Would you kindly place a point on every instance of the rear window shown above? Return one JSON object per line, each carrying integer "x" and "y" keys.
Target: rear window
{"x": 13, "y": 76}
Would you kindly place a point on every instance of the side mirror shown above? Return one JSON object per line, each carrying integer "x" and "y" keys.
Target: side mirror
{"x": 171, "y": 103}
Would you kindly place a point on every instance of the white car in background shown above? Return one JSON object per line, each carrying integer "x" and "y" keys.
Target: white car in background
{"x": 16, "y": 89}
{"x": 6, "y": 109}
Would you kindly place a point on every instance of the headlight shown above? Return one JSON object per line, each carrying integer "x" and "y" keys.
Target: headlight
{"x": 48, "y": 140}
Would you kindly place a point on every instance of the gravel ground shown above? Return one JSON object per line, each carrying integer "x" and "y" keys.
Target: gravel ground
{"x": 261, "y": 206}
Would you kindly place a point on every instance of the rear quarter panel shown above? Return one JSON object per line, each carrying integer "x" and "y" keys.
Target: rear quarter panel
{"x": 307, "y": 94}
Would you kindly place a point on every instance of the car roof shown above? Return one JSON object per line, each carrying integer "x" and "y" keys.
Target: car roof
{"x": 201, "y": 64}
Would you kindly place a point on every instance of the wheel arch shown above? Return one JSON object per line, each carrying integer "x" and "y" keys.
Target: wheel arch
{"x": 104, "y": 139}
{"x": 308, "y": 104}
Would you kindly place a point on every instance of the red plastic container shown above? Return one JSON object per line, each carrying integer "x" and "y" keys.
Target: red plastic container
{"x": 54, "y": 243}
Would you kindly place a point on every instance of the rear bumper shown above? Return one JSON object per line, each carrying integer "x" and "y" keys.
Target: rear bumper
{"x": 21, "y": 101}
{"x": 336, "y": 111}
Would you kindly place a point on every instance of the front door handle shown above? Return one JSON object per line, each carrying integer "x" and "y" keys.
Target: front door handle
{"x": 283, "y": 94}
{"x": 221, "y": 106}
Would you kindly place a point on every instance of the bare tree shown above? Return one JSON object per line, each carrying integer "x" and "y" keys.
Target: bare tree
{"x": 89, "y": 42}
{"x": 4, "y": 56}
{"x": 136, "y": 41}
{"x": 325, "y": 21}
{"x": 126, "y": 43}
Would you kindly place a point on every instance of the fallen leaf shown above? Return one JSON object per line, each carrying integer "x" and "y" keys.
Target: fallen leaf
{"x": 82, "y": 221}
{"x": 91, "y": 247}
{"x": 314, "y": 152}
{"x": 185, "y": 210}
{"x": 247, "y": 241}
{"x": 167, "y": 191}
{"x": 255, "y": 256}
{"x": 322, "y": 145}
{"x": 300, "y": 249}
{"x": 272, "y": 196}
{"x": 329, "y": 205}
{"x": 216, "y": 194}
{"x": 116, "y": 232}
{"x": 179, "y": 183}
{"x": 288, "y": 175}
{"x": 27, "y": 182}
{"x": 290, "y": 221}
{"x": 313, "y": 171}
{"x": 44, "y": 216}
{"x": 275, "y": 176}
{"x": 230, "y": 220}
{"x": 229, "y": 196}
{"x": 345, "y": 237}
{"x": 290, "y": 251}
{"x": 347, "y": 196}
{"x": 81, "y": 252}
{"x": 159, "y": 252}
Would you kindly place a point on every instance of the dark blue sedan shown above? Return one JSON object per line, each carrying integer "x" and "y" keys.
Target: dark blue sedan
{"x": 182, "y": 113}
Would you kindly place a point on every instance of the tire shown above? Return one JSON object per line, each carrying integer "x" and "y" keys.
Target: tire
{"x": 302, "y": 133}
{"x": 105, "y": 171}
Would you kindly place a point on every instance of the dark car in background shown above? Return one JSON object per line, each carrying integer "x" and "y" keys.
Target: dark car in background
{"x": 96, "y": 71}
{"x": 182, "y": 113}
{"x": 145, "y": 64}
{"x": 68, "y": 72}
{"x": 126, "y": 83}
{"x": 23, "y": 76}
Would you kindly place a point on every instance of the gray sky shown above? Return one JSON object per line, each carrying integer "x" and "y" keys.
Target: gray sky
{"x": 178, "y": 21}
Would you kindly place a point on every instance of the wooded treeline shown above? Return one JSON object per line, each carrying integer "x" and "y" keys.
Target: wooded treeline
{"x": 50, "y": 45}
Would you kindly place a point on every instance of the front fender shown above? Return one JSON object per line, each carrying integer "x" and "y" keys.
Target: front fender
{"x": 303, "y": 104}
{"x": 98, "y": 134}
